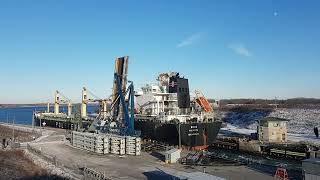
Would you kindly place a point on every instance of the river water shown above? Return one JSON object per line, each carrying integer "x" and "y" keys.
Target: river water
{"x": 23, "y": 115}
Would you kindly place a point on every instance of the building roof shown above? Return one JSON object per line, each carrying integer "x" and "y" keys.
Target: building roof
{"x": 173, "y": 151}
{"x": 268, "y": 119}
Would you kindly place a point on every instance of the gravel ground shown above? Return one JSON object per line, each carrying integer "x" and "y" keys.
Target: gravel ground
{"x": 14, "y": 164}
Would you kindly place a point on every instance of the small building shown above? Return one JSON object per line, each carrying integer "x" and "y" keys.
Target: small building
{"x": 311, "y": 168}
{"x": 273, "y": 130}
{"x": 172, "y": 156}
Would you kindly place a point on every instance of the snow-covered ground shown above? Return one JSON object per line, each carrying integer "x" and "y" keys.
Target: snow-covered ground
{"x": 291, "y": 136}
{"x": 300, "y": 125}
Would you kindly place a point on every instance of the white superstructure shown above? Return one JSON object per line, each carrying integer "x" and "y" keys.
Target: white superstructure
{"x": 155, "y": 100}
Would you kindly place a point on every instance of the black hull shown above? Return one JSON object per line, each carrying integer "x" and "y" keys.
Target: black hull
{"x": 59, "y": 124}
{"x": 192, "y": 134}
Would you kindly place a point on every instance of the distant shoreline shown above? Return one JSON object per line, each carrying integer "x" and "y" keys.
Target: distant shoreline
{"x": 2, "y": 106}
{"x": 20, "y": 105}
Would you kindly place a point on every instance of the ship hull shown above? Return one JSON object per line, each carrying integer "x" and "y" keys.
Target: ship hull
{"x": 61, "y": 123}
{"x": 191, "y": 134}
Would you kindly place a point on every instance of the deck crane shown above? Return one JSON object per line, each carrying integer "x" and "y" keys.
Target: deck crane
{"x": 85, "y": 100}
{"x": 58, "y": 100}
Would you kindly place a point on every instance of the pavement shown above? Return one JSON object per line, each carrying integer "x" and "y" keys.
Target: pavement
{"x": 53, "y": 143}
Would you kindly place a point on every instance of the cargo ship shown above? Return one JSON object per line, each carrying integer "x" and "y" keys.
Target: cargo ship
{"x": 167, "y": 114}
{"x": 163, "y": 111}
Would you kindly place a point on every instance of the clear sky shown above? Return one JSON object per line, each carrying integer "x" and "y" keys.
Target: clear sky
{"x": 227, "y": 49}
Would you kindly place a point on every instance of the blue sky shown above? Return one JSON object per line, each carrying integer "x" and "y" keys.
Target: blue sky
{"x": 227, "y": 49}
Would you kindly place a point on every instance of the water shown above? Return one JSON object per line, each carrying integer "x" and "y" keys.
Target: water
{"x": 23, "y": 115}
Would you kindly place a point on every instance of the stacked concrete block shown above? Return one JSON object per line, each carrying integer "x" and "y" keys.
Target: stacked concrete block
{"x": 133, "y": 145}
{"x": 118, "y": 144}
{"x": 89, "y": 142}
{"x": 138, "y": 146}
{"x": 78, "y": 139}
{"x": 130, "y": 145}
{"x": 122, "y": 146}
{"x": 106, "y": 144}
{"x": 99, "y": 144}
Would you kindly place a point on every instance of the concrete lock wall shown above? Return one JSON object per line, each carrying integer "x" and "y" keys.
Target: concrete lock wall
{"x": 107, "y": 143}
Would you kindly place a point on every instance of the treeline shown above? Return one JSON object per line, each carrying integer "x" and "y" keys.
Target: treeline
{"x": 293, "y": 101}
{"x": 268, "y": 103}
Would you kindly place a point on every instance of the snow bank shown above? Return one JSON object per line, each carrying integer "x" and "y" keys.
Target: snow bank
{"x": 302, "y": 121}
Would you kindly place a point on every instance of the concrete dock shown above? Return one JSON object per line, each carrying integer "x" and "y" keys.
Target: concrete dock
{"x": 53, "y": 143}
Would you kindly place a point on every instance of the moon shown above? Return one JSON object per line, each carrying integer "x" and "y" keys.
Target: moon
{"x": 275, "y": 13}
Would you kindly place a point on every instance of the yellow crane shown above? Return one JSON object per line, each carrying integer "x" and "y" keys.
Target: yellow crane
{"x": 85, "y": 100}
{"x": 58, "y": 100}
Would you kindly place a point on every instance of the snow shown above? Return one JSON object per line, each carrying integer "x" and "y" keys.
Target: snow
{"x": 300, "y": 125}
{"x": 291, "y": 136}
{"x": 233, "y": 129}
